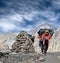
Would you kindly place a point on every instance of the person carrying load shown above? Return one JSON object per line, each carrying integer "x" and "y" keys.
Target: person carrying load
{"x": 46, "y": 36}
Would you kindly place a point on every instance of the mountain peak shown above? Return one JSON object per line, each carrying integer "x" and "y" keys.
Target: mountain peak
{"x": 43, "y": 26}
{"x": 46, "y": 26}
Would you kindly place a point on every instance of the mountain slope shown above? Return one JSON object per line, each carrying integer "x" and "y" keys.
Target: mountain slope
{"x": 6, "y": 40}
{"x": 55, "y": 42}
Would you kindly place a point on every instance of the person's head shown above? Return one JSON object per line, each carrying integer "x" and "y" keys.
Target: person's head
{"x": 46, "y": 32}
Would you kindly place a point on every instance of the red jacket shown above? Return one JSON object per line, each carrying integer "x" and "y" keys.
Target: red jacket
{"x": 46, "y": 37}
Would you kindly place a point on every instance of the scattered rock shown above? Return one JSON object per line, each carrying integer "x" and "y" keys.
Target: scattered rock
{"x": 23, "y": 58}
{"x": 41, "y": 59}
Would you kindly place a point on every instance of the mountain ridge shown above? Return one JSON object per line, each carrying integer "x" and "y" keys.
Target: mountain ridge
{"x": 43, "y": 26}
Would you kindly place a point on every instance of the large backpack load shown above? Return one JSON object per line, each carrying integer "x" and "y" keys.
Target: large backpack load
{"x": 41, "y": 31}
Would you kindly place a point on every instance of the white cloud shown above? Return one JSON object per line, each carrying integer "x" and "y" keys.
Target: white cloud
{"x": 5, "y": 26}
{"x": 49, "y": 14}
{"x": 28, "y": 28}
{"x": 8, "y": 23}
{"x": 31, "y": 15}
{"x": 16, "y": 17}
{"x": 28, "y": 11}
{"x": 54, "y": 19}
{"x": 56, "y": 4}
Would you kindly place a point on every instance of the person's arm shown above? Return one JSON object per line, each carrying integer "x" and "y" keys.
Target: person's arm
{"x": 43, "y": 38}
{"x": 49, "y": 36}
{"x": 49, "y": 39}
{"x": 38, "y": 36}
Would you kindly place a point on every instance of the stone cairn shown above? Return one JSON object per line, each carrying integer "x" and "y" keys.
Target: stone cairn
{"x": 23, "y": 43}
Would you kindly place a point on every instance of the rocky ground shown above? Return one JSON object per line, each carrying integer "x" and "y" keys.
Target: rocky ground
{"x": 31, "y": 58}
{"x": 22, "y": 58}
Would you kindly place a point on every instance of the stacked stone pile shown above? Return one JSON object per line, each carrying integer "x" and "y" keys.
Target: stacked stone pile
{"x": 23, "y": 43}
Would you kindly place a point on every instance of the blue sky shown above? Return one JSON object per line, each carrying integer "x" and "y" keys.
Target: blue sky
{"x": 17, "y": 15}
